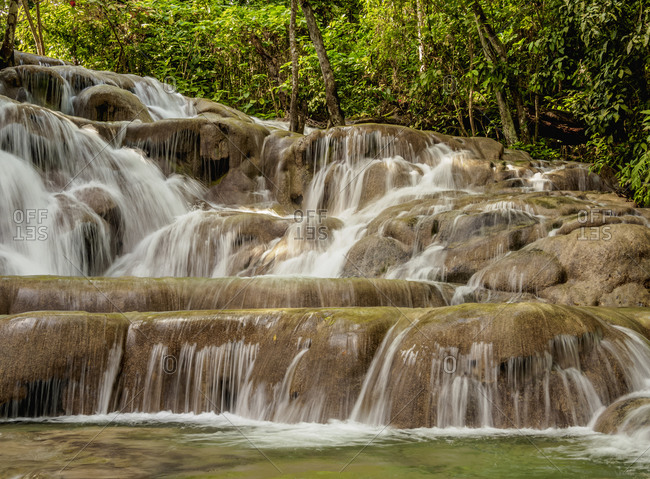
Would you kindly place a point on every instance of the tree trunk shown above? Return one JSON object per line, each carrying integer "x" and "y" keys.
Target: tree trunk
{"x": 500, "y": 54}
{"x": 295, "y": 80}
{"x": 7, "y": 50}
{"x": 32, "y": 27}
{"x": 494, "y": 52}
{"x": 536, "y": 118}
{"x": 470, "y": 100}
{"x": 39, "y": 24}
{"x": 331, "y": 96}
{"x": 420, "y": 15}
{"x": 524, "y": 133}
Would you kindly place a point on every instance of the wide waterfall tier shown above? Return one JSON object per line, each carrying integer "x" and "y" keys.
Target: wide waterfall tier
{"x": 107, "y": 295}
{"x": 505, "y": 366}
{"x": 118, "y": 175}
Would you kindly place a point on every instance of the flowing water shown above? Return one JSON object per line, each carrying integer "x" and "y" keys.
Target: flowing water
{"x": 279, "y": 392}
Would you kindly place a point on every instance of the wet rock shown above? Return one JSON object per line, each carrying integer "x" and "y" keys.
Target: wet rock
{"x": 233, "y": 189}
{"x": 626, "y": 416}
{"x": 379, "y": 178}
{"x": 474, "y": 238}
{"x": 101, "y": 202}
{"x": 597, "y": 260}
{"x": 595, "y": 217}
{"x": 575, "y": 178}
{"x": 110, "y": 103}
{"x": 203, "y": 106}
{"x": 24, "y": 58}
{"x": 50, "y": 293}
{"x": 95, "y": 244}
{"x": 373, "y": 365}
{"x": 36, "y": 84}
{"x": 373, "y": 256}
{"x": 205, "y": 148}
{"x": 526, "y": 270}
{"x": 80, "y": 78}
{"x": 531, "y": 333}
{"x": 630, "y": 294}
{"x": 482, "y": 148}
{"x": 56, "y": 363}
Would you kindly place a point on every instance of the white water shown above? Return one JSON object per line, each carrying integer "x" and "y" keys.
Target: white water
{"x": 48, "y": 165}
{"x": 52, "y": 167}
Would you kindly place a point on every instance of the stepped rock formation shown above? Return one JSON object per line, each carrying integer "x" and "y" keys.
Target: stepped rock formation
{"x": 159, "y": 252}
{"x": 470, "y": 365}
{"x": 107, "y": 295}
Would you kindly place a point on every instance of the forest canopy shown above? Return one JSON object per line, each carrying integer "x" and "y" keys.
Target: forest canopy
{"x": 558, "y": 78}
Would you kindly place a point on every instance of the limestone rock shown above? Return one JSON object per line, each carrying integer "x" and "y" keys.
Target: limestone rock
{"x": 205, "y": 147}
{"x": 597, "y": 260}
{"x": 526, "y": 270}
{"x": 630, "y": 294}
{"x": 372, "y": 256}
{"x": 102, "y": 203}
{"x": 110, "y": 103}
{"x": 233, "y": 189}
{"x": 626, "y": 416}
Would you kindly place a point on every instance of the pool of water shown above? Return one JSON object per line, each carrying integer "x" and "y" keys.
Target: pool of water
{"x": 209, "y": 445}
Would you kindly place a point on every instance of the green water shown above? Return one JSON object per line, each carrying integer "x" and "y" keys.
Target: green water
{"x": 90, "y": 448}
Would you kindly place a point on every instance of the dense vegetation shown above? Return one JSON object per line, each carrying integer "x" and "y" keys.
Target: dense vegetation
{"x": 555, "y": 77}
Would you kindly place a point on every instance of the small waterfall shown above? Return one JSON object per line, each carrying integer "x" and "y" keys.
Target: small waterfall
{"x": 465, "y": 386}
{"x": 45, "y": 87}
{"x": 374, "y": 403}
{"x": 162, "y": 100}
{"x": 198, "y": 380}
{"x": 477, "y": 389}
{"x": 109, "y": 379}
{"x": 284, "y": 410}
{"x": 200, "y": 243}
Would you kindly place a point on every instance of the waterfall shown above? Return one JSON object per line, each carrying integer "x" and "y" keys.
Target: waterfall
{"x": 200, "y": 379}
{"x": 56, "y": 173}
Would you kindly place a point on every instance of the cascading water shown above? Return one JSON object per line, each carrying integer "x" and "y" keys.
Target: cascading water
{"x": 206, "y": 362}
{"x": 74, "y": 201}
{"x": 55, "y": 173}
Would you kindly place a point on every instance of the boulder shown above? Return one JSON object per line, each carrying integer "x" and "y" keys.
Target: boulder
{"x": 373, "y": 255}
{"x": 36, "y": 84}
{"x": 527, "y": 270}
{"x": 110, "y": 103}
{"x": 205, "y": 147}
{"x": 233, "y": 189}
{"x": 630, "y": 294}
{"x": 102, "y": 202}
{"x": 203, "y": 106}
{"x": 626, "y": 416}
{"x": 575, "y": 178}
{"x": 24, "y": 58}
{"x": 598, "y": 260}
{"x": 93, "y": 241}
